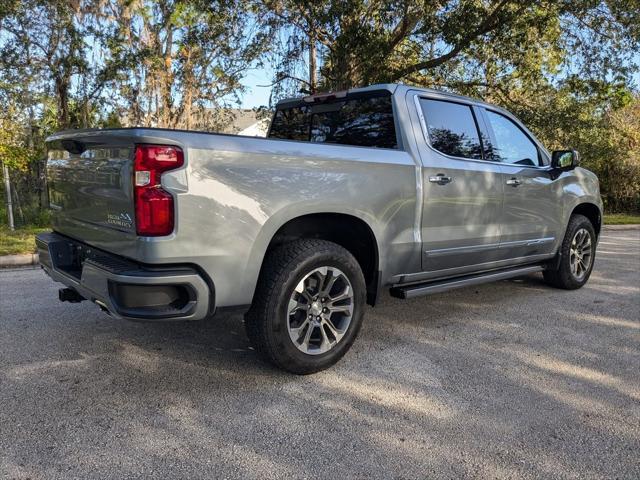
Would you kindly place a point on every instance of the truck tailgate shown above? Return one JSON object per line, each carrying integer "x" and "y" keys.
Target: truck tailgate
{"x": 90, "y": 186}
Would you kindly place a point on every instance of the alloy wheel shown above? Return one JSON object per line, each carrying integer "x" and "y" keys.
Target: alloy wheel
{"x": 320, "y": 310}
{"x": 580, "y": 254}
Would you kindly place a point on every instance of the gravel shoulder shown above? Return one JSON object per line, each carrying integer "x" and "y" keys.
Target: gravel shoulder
{"x": 506, "y": 380}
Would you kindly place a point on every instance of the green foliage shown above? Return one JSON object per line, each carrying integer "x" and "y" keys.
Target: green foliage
{"x": 15, "y": 157}
{"x": 566, "y": 68}
{"x": 32, "y": 215}
{"x": 12, "y": 152}
{"x": 498, "y": 43}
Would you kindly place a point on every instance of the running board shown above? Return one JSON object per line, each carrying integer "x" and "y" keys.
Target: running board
{"x": 417, "y": 290}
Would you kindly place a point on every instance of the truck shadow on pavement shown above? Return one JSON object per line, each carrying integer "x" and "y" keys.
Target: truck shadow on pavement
{"x": 512, "y": 379}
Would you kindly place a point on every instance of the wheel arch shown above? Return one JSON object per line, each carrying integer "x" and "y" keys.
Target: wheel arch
{"x": 592, "y": 212}
{"x": 345, "y": 229}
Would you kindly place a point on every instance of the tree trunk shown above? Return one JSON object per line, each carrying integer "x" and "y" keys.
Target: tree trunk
{"x": 17, "y": 202}
{"x": 313, "y": 63}
{"x": 62, "y": 90}
{"x": 43, "y": 192}
{"x": 7, "y": 186}
{"x": 167, "y": 80}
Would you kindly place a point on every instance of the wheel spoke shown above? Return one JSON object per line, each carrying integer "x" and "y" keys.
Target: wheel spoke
{"x": 296, "y": 332}
{"x": 294, "y": 306}
{"x": 584, "y": 265}
{"x": 330, "y": 281}
{"x": 326, "y": 343}
{"x": 338, "y": 334}
{"x": 346, "y": 293}
{"x": 301, "y": 290}
{"x": 341, "y": 309}
{"x": 321, "y": 276}
{"x": 586, "y": 242}
{"x": 307, "y": 336}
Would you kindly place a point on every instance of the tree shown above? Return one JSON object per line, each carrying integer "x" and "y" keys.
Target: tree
{"x": 179, "y": 60}
{"x": 45, "y": 50}
{"x": 298, "y": 32}
{"x": 457, "y": 44}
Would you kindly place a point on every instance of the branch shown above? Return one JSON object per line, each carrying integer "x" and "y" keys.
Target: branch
{"x": 286, "y": 76}
{"x": 490, "y": 23}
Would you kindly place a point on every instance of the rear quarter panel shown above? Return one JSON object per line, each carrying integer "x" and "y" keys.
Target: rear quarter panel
{"x": 242, "y": 190}
{"x": 234, "y": 193}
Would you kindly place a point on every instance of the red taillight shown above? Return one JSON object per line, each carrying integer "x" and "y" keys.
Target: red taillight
{"x": 154, "y": 206}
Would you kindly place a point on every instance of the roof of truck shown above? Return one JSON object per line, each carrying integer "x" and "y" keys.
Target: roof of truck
{"x": 393, "y": 88}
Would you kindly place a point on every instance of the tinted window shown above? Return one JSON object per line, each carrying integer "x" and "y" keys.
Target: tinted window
{"x": 512, "y": 145}
{"x": 452, "y": 128}
{"x": 291, "y": 124}
{"x": 366, "y": 122}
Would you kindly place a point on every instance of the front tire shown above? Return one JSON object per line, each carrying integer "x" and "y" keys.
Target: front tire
{"x": 308, "y": 306}
{"x": 577, "y": 255}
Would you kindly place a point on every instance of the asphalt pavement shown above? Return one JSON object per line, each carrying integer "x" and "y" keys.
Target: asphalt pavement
{"x": 506, "y": 380}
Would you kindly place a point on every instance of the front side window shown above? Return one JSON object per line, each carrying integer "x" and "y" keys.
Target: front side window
{"x": 364, "y": 121}
{"x": 452, "y": 128}
{"x": 512, "y": 145}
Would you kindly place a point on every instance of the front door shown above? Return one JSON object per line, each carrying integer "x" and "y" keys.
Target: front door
{"x": 462, "y": 192}
{"x": 531, "y": 211}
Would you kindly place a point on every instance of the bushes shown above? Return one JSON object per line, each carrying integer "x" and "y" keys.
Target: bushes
{"x": 28, "y": 196}
{"x": 620, "y": 184}
{"x": 614, "y": 155}
{"x": 31, "y": 216}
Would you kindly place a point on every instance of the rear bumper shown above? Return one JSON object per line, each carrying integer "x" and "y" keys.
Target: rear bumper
{"x": 123, "y": 288}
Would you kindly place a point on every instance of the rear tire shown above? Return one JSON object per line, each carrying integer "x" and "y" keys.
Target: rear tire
{"x": 577, "y": 255}
{"x": 308, "y": 306}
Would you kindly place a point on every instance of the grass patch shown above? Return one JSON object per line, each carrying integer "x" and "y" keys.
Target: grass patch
{"x": 621, "y": 219}
{"x": 22, "y": 240}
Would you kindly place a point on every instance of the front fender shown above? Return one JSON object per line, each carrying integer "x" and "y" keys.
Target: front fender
{"x": 580, "y": 187}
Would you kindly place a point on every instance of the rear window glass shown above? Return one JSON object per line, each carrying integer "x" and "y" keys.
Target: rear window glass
{"x": 452, "y": 128}
{"x": 365, "y": 122}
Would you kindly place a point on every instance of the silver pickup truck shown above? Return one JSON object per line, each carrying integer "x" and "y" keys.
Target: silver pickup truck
{"x": 385, "y": 186}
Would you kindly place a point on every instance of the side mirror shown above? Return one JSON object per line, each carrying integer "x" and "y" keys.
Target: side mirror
{"x": 565, "y": 159}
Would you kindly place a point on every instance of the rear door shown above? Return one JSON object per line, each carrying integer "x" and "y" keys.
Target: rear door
{"x": 531, "y": 212}
{"x": 462, "y": 192}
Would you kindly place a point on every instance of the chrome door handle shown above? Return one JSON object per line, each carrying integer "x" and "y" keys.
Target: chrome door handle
{"x": 440, "y": 179}
{"x": 514, "y": 182}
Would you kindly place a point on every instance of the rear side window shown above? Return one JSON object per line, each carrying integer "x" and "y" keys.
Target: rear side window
{"x": 364, "y": 121}
{"x": 512, "y": 144}
{"x": 452, "y": 128}
{"x": 291, "y": 124}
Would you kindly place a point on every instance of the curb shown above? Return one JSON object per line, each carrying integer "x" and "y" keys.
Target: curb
{"x": 613, "y": 228}
{"x": 18, "y": 260}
